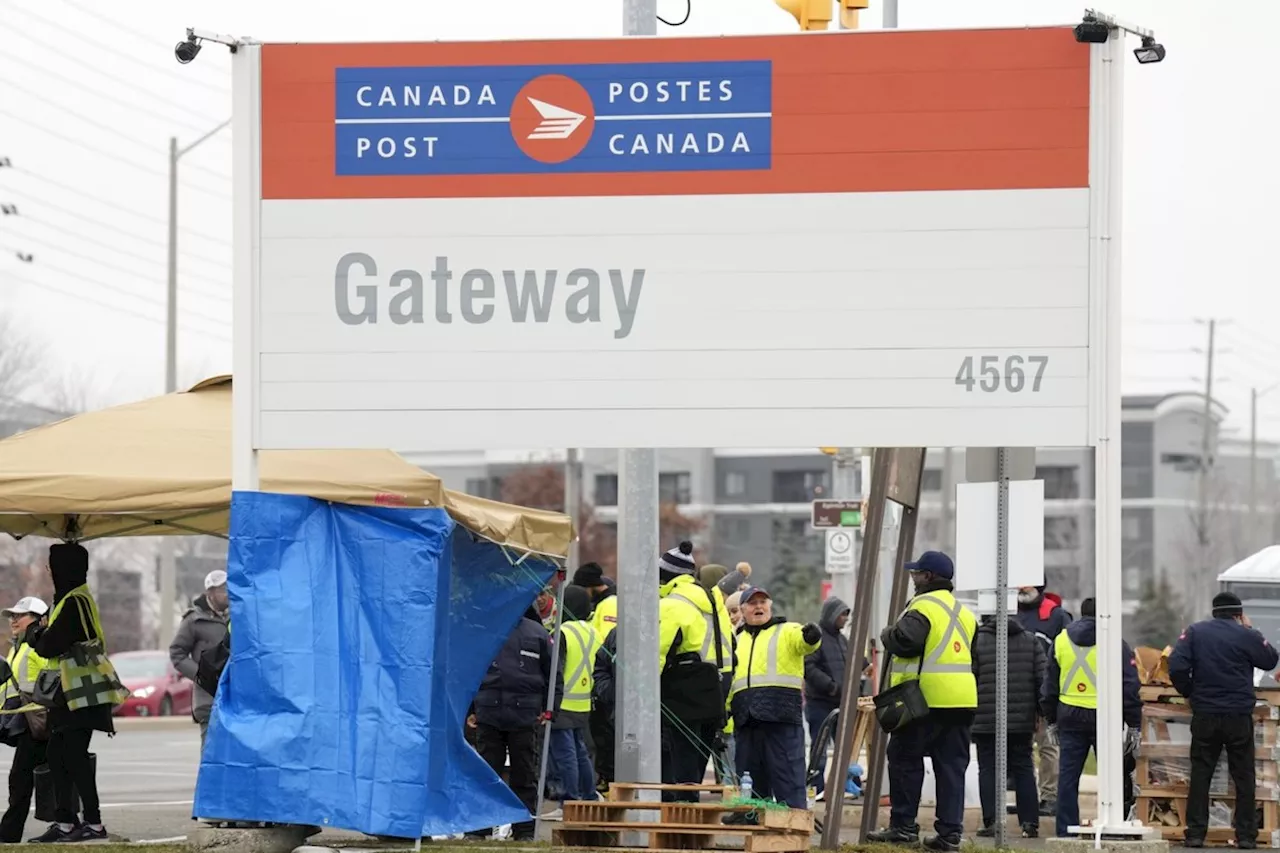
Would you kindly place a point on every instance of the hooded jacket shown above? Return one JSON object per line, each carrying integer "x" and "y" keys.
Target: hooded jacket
{"x": 513, "y": 692}
{"x": 69, "y": 567}
{"x": 824, "y": 669}
{"x": 1026, "y": 674}
{"x": 1044, "y": 618}
{"x": 1213, "y": 663}
{"x": 202, "y": 629}
{"x": 603, "y": 691}
{"x": 1085, "y": 633}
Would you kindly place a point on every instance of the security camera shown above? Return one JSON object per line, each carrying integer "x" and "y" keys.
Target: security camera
{"x": 185, "y": 51}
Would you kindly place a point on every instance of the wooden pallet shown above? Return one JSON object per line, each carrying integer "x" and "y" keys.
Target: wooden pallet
{"x": 625, "y": 792}
{"x": 1268, "y": 828}
{"x": 680, "y": 826}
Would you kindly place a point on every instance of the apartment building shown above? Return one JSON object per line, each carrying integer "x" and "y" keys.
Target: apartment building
{"x": 755, "y": 503}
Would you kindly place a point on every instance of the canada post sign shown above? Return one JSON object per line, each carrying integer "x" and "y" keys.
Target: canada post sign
{"x": 530, "y": 119}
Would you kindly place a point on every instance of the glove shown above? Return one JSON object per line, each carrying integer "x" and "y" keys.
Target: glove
{"x": 33, "y": 632}
{"x": 811, "y": 633}
{"x": 1132, "y": 740}
{"x": 545, "y": 718}
{"x": 1051, "y": 734}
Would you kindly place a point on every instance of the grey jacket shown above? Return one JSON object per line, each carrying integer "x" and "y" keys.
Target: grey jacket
{"x": 201, "y": 629}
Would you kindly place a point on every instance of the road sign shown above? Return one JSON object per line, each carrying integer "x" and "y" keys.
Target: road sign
{"x": 840, "y": 552}
{"x": 589, "y": 243}
{"x": 825, "y": 514}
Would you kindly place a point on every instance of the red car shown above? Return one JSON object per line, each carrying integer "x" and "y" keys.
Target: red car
{"x": 155, "y": 687}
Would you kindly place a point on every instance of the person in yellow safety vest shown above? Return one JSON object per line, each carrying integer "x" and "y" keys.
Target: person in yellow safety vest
{"x": 931, "y": 642}
{"x": 695, "y": 668}
{"x": 28, "y": 752}
{"x": 569, "y": 754}
{"x": 767, "y": 701}
{"x": 1069, "y": 701}
{"x": 725, "y": 772}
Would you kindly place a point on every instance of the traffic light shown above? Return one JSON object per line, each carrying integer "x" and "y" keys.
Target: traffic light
{"x": 812, "y": 14}
{"x": 849, "y": 10}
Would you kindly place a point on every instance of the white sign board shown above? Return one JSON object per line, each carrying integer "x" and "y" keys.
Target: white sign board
{"x": 977, "y": 541}
{"x": 840, "y": 552}
{"x": 665, "y": 243}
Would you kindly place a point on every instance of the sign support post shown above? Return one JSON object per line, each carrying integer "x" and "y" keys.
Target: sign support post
{"x": 1002, "y": 643}
{"x": 639, "y": 723}
{"x": 845, "y": 486}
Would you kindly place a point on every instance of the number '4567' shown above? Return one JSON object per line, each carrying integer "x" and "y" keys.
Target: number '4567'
{"x": 1019, "y": 373}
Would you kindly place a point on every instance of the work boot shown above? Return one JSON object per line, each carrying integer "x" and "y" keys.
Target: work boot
{"x": 1031, "y": 830}
{"x": 1048, "y": 808}
{"x": 988, "y": 831}
{"x": 741, "y": 819}
{"x": 896, "y": 835}
{"x": 1192, "y": 841}
{"x": 943, "y": 843}
{"x": 1246, "y": 844}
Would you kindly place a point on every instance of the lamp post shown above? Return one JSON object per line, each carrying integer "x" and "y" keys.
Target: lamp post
{"x": 168, "y": 548}
{"x": 1254, "y": 394}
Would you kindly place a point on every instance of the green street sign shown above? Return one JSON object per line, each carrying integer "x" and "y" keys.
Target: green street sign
{"x": 851, "y": 518}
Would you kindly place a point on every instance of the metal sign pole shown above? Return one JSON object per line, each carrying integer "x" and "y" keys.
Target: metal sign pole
{"x": 1002, "y": 643}
{"x": 858, "y": 642}
{"x": 556, "y": 643}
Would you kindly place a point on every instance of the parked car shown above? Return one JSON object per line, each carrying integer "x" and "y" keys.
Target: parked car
{"x": 155, "y": 688}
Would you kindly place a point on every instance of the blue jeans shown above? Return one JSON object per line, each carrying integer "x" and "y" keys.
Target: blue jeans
{"x": 1073, "y": 749}
{"x": 572, "y": 761}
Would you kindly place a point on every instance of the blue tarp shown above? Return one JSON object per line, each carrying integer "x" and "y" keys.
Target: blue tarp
{"x": 359, "y": 636}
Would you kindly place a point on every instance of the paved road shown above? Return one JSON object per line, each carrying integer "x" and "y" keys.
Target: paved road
{"x": 146, "y": 778}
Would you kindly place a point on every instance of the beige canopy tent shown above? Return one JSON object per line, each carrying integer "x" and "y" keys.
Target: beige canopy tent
{"x": 163, "y": 467}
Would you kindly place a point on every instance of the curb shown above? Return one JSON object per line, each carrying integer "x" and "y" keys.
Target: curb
{"x": 151, "y": 723}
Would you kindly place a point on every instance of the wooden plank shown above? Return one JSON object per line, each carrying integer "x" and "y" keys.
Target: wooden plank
{"x": 637, "y": 826}
{"x": 626, "y": 791}
{"x": 773, "y": 843}
{"x": 672, "y": 837}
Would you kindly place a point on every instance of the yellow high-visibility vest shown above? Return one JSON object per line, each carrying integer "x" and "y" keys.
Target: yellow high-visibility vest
{"x": 605, "y": 619}
{"x": 946, "y": 674}
{"x": 26, "y": 666}
{"x": 579, "y": 665}
{"x": 1077, "y": 683}
{"x": 772, "y": 658}
{"x": 681, "y": 610}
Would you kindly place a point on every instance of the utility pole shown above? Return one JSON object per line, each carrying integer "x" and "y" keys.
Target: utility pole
{"x": 947, "y": 534}
{"x": 573, "y": 504}
{"x": 638, "y": 727}
{"x": 1204, "y": 570}
{"x": 168, "y": 547}
{"x": 1254, "y": 395}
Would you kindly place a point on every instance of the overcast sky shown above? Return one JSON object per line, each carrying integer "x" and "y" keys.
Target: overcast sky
{"x": 90, "y": 98}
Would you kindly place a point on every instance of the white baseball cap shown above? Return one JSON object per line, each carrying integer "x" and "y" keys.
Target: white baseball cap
{"x": 30, "y": 604}
{"x": 217, "y": 577}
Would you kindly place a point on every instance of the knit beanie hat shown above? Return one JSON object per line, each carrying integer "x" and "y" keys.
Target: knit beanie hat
{"x": 1228, "y": 603}
{"x": 676, "y": 562}
{"x": 588, "y": 575}
{"x": 711, "y": 574}
{"x": 577, "y": 603}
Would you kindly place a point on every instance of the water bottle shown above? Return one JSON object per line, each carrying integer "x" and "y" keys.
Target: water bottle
{"x": 745, "y": 785}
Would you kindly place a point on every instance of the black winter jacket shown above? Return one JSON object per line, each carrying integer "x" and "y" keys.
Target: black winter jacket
{"x": 513, "y": 693}
{"x": 1085, "y": 633}
{"x": 1026, "y": 674}
{"x": 603, "y": 691}
{"x": 1213, "y": 663}
{"x": 824, "y": 669}
{"x": 70, "y": 569}
{"x": 1045, "y": 619}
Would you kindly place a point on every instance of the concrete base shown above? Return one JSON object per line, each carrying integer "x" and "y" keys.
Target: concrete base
{"x": 1084, "y": 844}
{"x": 277, "y": 839}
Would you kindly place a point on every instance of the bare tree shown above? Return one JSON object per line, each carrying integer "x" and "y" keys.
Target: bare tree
{"x": 19, "y": 359}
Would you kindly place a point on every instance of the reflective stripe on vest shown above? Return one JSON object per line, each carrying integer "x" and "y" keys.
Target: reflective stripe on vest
{"x": 933, "y": 663}
{"x": 577, "y": 684}
{"x": 1078, "y": 685}
{"x": 26, "y": 668}
{"x": 707, "y": 652}
{"x": 770, "y": 677}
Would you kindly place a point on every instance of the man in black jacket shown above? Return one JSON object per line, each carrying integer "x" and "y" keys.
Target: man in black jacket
{"x": 824, "y": 675}
{"x": 1026, "y": 674}
{"x": 1212, "y": 665}
{"x": 510, "y": 707}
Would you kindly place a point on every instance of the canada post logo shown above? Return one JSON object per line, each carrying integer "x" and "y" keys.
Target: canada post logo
{"x": 510, "y": 120}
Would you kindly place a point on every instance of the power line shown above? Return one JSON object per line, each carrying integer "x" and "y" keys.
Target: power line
{"x": 126, "y": 271}
{"x": 117, "y": 208}
{"x": 116, "y": 288}
{"x": 133, "y": 140}
{"x": 99, "y": 93}
{"x": 114, "y": 157}
{"x": 117, "y": 308}
{"x": 122, "y": 54}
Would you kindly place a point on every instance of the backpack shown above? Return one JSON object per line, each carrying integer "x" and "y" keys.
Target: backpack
{"x": 212, "y": 662}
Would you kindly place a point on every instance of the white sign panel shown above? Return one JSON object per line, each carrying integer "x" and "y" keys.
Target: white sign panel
{"x": 840, "y": 552}
{"x": 666, "y": 243}
{"x": 977, "y": 540}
